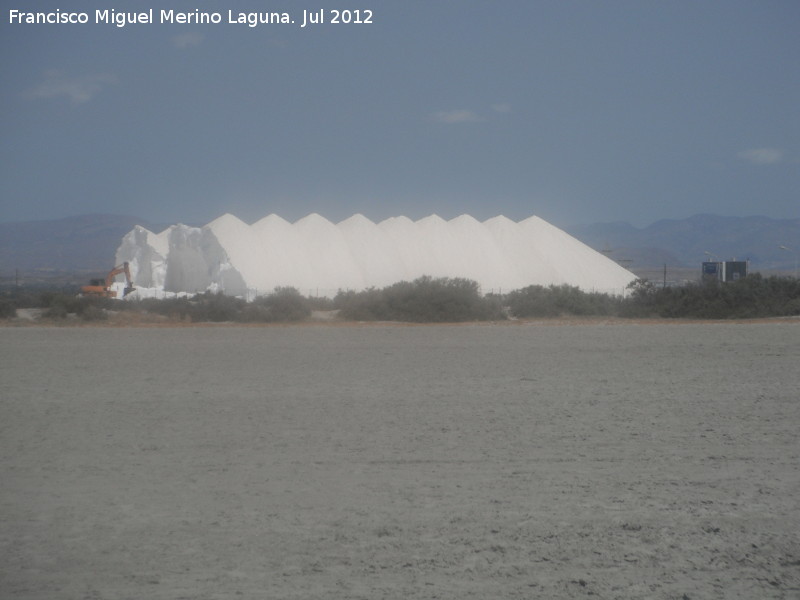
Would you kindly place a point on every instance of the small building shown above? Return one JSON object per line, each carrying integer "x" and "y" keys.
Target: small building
{"x": 724, "y": 271}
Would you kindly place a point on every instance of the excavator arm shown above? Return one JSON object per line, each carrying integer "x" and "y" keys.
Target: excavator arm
{"x": 105, "y": 291}
{"x": 128, "y": 280}
{"x": 123, "y": 268}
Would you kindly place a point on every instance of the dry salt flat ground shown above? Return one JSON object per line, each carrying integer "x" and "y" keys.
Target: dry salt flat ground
{"x": 477, "y": 461}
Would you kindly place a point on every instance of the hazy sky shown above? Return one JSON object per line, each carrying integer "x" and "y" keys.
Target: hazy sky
{"x": 573, "y": 111}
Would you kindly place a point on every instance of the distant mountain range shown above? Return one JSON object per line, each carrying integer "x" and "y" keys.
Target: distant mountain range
{"x": 73, "y": 248}
{"x": 83, "y": 246}
{"x": 688, "y": 242}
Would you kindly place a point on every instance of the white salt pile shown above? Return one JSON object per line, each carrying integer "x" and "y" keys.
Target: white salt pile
{"x": 320, "y": 258}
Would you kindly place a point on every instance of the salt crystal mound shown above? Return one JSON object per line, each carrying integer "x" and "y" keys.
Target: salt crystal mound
{"x": 320, "y": 258}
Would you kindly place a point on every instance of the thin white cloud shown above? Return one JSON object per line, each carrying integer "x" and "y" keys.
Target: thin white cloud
{"x": 456, "y": 116}
{"x": 762, "y": 156}
{"x": 79, "y": 89}
{"x": 187, "y": 40}
{"x": 501, "y": 107}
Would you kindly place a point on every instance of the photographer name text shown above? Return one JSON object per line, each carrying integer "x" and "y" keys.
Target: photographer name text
{"x": 325, "y": 16}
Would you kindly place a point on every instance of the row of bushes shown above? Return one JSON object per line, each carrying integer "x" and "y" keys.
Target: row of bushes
{"x": 556, "y": 300}
{"x": 750, "y": 297}
{"x": 424, "y": 300}
{"x": 449, "y": 300}
{"x": 56, "y": 305}
{"x": 283, "y": 305}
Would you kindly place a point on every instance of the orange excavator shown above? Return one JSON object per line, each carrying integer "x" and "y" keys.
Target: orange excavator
{"x": 100, "y": 288}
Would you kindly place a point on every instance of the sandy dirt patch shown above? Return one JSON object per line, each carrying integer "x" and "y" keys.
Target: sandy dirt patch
{"x": 441, "y": 462}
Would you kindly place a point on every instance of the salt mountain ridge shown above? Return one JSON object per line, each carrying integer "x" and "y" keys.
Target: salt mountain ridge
{"x": 319, "y": 257}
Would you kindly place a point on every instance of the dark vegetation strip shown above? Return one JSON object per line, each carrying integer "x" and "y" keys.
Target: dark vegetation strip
{"x": 437, "y": 300}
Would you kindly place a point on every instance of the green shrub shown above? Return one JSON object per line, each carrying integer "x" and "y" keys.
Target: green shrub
{"x": 57, "y": 311}
{"x": 750, "y": 297}
{"x": 557, "y": 300}
{"x": 424, "y": 300}
{"x": 215, "y": 307}
{"x": 368, "y": 305}
{"x": 93, "y": 313}
{"x": 70, "y": 303}
{"x": 8, "y": 309}
{"x": 173, "y": 308}
{"x": 283, "y": 305}
{"x": 318, "y": 302}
